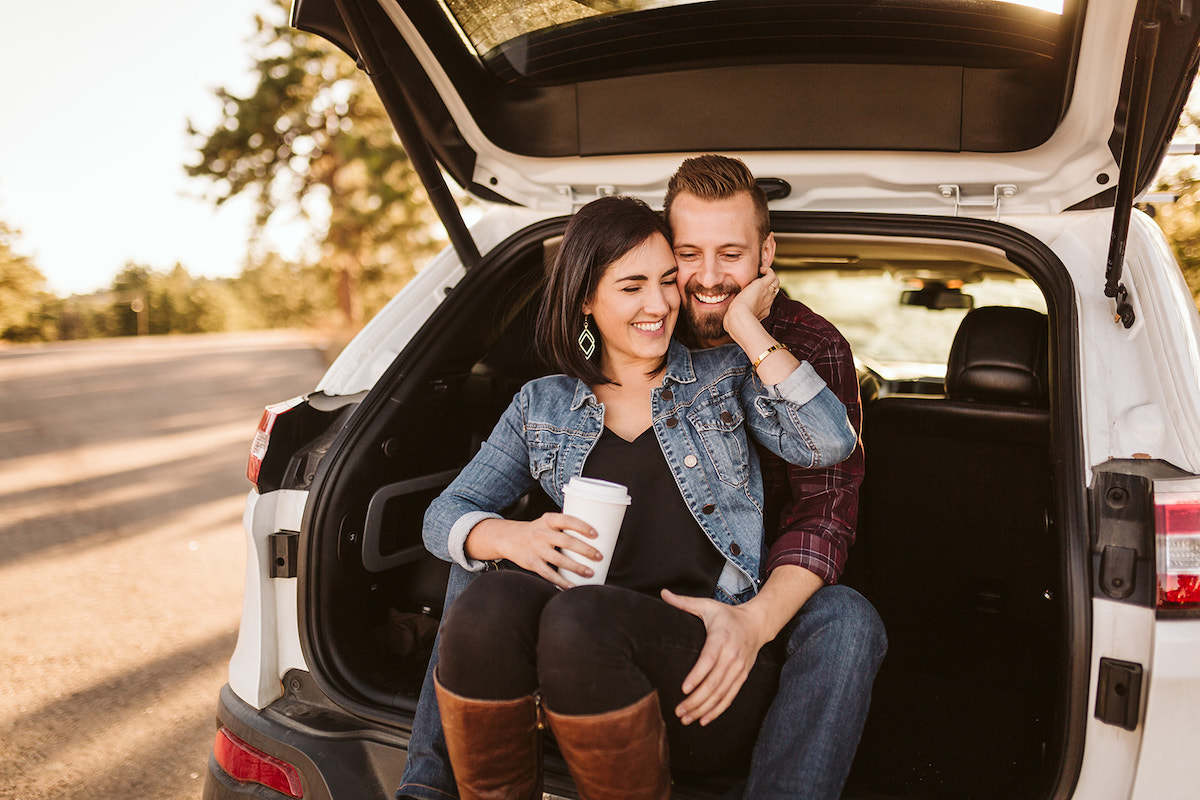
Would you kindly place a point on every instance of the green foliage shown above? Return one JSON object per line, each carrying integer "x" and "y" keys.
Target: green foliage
{"x": 1180, "y": 220}
{"x": 22, "y": 292}
{"x": 313, "y": 139}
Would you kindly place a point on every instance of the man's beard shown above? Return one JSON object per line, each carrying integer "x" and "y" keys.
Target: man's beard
{"x": 705, "y": 324}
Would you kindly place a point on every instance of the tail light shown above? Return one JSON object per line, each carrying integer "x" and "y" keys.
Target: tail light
{"x": 262, "y": 436}
{"x": 247, "y": 764}
{"x": 1177, "y": 540}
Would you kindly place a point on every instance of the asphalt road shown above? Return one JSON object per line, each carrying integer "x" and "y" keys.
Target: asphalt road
{"x": 122, "y": 478}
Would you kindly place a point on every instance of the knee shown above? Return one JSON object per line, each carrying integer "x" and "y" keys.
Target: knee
{"x": 485, "y": 615}
{"x": 575, "y": 624}
{"x": 841, "y": 621}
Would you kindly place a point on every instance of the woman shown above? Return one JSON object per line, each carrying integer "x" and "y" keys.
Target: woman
{"x": 606, "y": 664}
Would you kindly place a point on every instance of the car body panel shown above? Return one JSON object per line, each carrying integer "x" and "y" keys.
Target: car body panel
{"x": 1110, "y": 760}
{"x": 359, "y": 366}
{"x": 268, "y": 642}
{"x": 1141, "y": 404}
{"x": 1168, "y": 753}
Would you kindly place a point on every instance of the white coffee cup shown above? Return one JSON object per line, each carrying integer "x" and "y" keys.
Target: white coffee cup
{"x": 600, "y": 504}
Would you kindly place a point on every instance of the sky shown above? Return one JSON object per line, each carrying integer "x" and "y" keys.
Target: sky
{"x": 93, "y": 136}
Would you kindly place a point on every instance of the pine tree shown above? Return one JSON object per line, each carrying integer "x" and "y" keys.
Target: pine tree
{"x": 313, "y": 138}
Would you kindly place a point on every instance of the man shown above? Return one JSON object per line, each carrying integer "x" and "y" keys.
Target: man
{"x": 833, "y": 638}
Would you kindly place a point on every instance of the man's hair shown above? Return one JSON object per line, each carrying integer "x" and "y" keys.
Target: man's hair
{"x": 716, "y": 177}
{"x": 599, "y": 234}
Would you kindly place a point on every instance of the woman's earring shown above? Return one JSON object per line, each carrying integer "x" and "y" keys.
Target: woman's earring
{"x": 587, "y": 342}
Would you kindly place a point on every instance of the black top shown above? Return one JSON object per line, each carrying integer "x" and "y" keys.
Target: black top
{"x": 661, "y": 545}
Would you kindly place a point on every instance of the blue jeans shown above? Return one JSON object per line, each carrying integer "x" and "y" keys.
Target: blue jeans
{"x": 807, "y": 743}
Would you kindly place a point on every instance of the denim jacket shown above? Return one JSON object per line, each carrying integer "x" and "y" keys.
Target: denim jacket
{"x": 708, "y": 403}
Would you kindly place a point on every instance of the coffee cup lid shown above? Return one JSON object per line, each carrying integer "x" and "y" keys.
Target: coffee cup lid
{"x": 596, "y": 489}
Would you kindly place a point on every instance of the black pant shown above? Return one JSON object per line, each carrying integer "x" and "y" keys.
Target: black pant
{"x": 593, "y": 649}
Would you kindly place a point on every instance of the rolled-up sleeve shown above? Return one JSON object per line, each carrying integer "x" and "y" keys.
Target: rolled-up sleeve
{"x": 800, "y": 419}
{"x": 494, "y": 479}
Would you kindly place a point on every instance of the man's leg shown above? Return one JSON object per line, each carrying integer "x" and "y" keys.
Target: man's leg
{"x": 807, "y": 742}
{"x": 427, "y": 773}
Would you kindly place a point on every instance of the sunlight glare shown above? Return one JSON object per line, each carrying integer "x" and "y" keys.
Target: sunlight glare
{"x": 1055, "y": 6}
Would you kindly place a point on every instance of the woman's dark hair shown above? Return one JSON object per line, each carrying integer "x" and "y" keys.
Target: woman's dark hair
{"x": 599, "y": 234}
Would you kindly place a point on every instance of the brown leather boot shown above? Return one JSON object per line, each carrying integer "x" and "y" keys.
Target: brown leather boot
{"x": 618, "y": 755}
{"x": 494, "y": 745}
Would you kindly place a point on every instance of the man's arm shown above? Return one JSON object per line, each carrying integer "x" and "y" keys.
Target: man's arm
{"x": 735, "y": 634}
{"x": 816, "y": 529}
{"x": 814, "y": 512}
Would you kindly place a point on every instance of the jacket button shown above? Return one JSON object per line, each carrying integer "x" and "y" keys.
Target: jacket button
{"x": 672, "y": 422}
{"x": 667, "y": 394}
{"x": 726, "y": 417}
{"x": 733, "y": 548}
{"x": 708, "y": 508}
{"x": 690, "y": 460}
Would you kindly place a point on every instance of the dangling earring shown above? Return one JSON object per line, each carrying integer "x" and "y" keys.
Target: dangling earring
{"x": 587, "y": 342}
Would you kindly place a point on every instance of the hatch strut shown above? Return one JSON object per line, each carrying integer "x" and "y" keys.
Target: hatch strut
{"x": 371, "y": 61}
{"x": 1135, "y": 124}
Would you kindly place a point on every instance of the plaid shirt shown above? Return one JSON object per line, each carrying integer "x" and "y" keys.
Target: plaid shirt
{"x": 811, "y": 514}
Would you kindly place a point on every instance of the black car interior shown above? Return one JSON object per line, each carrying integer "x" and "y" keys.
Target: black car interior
{"x": 954, "y": 546}
{"x": 954, "y": 550}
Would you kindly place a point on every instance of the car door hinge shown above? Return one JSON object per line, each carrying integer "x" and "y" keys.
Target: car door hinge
{"x": 1119, "y": 693}
{"x": 283, "y": 547}
{"x": 577, "y": 198}
{"x": 1000, "y": 193}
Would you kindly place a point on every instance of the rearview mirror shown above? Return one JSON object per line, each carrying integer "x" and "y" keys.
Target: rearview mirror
{"x": 938, "y": 297}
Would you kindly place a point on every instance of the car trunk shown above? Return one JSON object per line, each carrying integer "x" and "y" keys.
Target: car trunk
{"x": 984, "y": 687}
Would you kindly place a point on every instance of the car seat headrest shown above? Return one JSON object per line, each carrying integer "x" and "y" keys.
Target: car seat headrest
{"x": 999, "y": 355}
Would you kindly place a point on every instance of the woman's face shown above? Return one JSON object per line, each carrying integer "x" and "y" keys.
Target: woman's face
{"x": 636, "y": 304}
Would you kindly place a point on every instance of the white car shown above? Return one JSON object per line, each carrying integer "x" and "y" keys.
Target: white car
{"x": 951, "y": 183}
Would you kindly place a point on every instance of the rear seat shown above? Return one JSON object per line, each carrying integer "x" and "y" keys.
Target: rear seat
{"x": 954, "y": 551}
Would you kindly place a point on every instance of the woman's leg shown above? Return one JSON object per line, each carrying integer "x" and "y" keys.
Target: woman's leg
{"x": 485, "y": 685}
{"x": 488, "y": 641}
{"x": 601, "y": 649}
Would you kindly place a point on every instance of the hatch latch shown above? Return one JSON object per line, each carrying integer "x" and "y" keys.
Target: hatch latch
{"x": 283, "y": 547}
{"x": 1000, "y": 193}
{"x": 1119, "y": 693}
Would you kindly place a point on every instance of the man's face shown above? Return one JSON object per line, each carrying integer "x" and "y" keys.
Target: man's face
{"x": 718, "y": 250}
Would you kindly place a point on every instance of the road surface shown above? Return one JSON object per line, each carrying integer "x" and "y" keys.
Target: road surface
{"x": 122, "y": 478}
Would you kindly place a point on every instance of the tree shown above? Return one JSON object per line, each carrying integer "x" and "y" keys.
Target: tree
{"x": 22, "y": 292}
{"x": 279, "y": 294}
{"x": 312, "y": 136}
{"x": 1180, "y": 219}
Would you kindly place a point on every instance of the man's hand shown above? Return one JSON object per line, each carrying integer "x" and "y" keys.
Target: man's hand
{"x": 734, "y": 638}
{"x": 735, "y": 634}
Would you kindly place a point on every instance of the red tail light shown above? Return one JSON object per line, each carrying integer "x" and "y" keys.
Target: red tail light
{"x": 1177, "y": 532}
{"x": 262, "y": 436}
{"x": 250, "y": 765}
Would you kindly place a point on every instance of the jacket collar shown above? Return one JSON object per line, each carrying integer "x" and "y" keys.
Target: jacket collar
{"x": 679, "y": 369}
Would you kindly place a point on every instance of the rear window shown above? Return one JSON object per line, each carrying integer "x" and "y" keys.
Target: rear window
{"x": 513, "y": 36}
{"x": 901, "y": 341}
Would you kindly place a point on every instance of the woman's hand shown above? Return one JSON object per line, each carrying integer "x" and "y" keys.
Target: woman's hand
{"x": 535, "y": 545}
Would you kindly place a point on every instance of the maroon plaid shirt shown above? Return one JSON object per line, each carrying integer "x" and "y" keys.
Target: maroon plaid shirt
{"x": 811, "y": 514}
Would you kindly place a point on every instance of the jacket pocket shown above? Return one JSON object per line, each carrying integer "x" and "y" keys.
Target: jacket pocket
{"x": 719, "y": 423}
{"x": 543, "y": 457}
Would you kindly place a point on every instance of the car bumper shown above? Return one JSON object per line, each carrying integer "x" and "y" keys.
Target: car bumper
{"x": 336, "y": 755}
